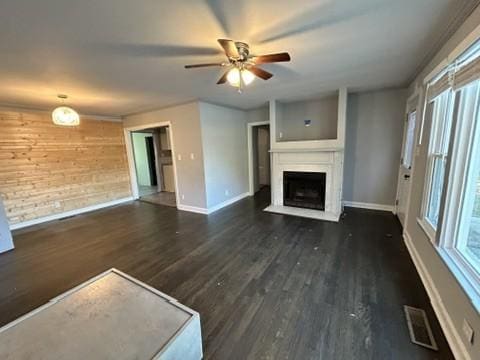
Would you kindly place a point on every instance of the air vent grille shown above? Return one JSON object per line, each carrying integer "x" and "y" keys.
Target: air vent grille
{"x": 420, "y": 331}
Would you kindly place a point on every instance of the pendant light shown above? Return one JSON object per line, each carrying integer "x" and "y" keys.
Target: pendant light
{"x": 64, "y": 115}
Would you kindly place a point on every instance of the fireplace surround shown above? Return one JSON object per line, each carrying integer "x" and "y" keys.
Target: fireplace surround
{"x": 310, "y": 158}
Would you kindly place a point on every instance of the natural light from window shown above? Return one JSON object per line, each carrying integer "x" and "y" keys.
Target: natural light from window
{"x": 438, "y": 151}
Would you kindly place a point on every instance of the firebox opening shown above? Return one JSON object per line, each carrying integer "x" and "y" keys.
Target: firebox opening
{"x": 304, "y": 189}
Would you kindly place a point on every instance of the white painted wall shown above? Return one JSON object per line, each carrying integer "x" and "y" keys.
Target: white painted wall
{"x": 224, "y": 139}
{"x": 374, "y": 129}
{"x": 141, "y": 158}
{"x": 451, "y": 297}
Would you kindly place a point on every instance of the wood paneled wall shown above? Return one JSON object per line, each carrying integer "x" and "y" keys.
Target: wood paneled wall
{"x": 47, "y": 169}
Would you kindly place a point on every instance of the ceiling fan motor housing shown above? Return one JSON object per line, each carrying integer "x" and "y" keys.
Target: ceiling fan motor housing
{"x": 243, "y": 50}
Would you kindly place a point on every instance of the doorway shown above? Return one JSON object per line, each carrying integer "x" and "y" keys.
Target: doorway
{"x": 154, "y": 171}
{"x": 406, "y": 162}
{"x": 259, "y": 156}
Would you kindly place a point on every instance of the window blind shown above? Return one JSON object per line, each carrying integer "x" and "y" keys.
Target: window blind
{"x": 463, "y": 71}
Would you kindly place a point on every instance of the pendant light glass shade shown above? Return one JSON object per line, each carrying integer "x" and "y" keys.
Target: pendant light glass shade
{"x": 233, "y": 77}
{"x": 65, "y": 116}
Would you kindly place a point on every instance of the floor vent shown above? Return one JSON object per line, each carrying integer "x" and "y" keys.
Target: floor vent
{"x": 420, "y": 331}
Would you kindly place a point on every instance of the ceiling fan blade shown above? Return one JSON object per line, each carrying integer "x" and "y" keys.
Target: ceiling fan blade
{"x": 203, "y": 65}
{"x": 230, "y": 48}
{"x": 223, "y": 79}
{"x": 262, "y": 74}
{"x": 271, "y": 58}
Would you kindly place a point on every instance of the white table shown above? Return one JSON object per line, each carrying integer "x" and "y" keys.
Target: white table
{"x": 112, "y": 316}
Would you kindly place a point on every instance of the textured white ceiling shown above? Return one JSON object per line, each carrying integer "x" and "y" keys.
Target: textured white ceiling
{"x": 115, "y": 57}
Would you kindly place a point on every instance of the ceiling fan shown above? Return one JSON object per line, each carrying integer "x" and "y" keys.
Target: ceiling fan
{"x": 242, "y": 65}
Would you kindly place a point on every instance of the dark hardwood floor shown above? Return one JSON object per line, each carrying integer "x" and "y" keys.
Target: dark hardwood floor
{"x": 266, "y": 286}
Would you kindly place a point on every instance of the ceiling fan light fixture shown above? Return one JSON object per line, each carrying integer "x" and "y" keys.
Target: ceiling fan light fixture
{"x": 64, "y": 115}
{"x": 234, "y": 74}
{"x": 247, "y": 77}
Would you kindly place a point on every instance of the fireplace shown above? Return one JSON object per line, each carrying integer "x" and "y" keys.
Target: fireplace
{"x": 304, "y": 189}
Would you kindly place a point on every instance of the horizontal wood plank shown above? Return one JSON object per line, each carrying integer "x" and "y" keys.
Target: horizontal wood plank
{"x": 48, "y": 169}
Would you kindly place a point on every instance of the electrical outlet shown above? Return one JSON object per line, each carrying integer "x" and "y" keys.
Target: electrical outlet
{"x": 227, "y": 192}
{"x": 192, "y": 156}
{"x": 280, "y": 135}
{"x": 183, "y": 197}
{"x": 467, "y": 331}
{"x": 179, "y": 156}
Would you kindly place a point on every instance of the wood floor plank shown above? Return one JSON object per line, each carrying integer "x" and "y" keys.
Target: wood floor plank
{"x": 266, "y": 286}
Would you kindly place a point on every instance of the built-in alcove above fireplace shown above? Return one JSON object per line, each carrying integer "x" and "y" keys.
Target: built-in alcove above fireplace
{"x": 304, "y": 189}
{"x": 307, "y": 169}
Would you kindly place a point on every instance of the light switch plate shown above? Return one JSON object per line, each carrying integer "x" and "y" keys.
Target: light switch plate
{"x": 467, "y": 331}
{"x": 179, "y": 157}
{"x": 192, "y": 156}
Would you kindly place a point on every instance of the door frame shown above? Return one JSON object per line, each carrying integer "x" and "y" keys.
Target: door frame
{"x": 250, "y": 126}
{"x": 414, "y": 103}
{"x": 131, "y": 158}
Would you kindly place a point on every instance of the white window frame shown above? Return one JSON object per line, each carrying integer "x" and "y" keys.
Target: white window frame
{"x": 465, "y": 143}
{"x": 444, "y": 246}
{"x": 409, "y": 149}
{"x": 423, "y": 221}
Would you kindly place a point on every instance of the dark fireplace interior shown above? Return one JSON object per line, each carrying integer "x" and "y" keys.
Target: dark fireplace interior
{"x": 304, "y": 189}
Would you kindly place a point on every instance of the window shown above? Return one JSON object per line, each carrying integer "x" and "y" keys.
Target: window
{"x": 437, "y": 156}
{"x": 409, "y": 140}
{"x": 451, "y": 203}
{"x": 465, "y": 176}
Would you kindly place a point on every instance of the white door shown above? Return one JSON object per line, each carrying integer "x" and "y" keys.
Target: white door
{"x": 404, "y": 173}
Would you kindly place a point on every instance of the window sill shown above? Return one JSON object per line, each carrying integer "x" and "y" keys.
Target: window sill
{"x": 427, "y": 229}
{"x": 451, "y": 258}
{"x": 469, "y": 284}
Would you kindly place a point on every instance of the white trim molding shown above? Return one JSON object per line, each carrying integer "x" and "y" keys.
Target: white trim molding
{"x": 453, "y": 337}
{"x": 194, "y": 209}
{"x": 69, "y": 213}
{"x": 210, "y": 210}
{"x": 370, "y": 206}
{"x": 250, "y": 126}
{"x": 131, "y": 158}
{"x": 227, "y": 202}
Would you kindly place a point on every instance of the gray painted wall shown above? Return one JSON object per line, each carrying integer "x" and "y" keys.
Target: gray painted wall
{"x": 322, "y": 113}
{"x": 187, "y": 140}
{"x": 224, "y": 138}
{"x": 259, "y": 114}
{"x": 455, "y": 300}
{"x": 6, "y": 242}
{"x": 374, "y": 129}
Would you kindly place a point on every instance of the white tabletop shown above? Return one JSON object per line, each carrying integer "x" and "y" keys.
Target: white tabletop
{"x": 111, "y": 317}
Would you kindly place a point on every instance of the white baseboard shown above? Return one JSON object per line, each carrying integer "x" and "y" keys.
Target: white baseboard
{"x": 69, "y": 213}
{"x": 453, "y": 337}
{"x": 369, "y": 206}
{"x": 212, "y": 209}
{"x": 301, "y": 212}
{"x": 194, "y": 209}
{"x": 228, "y": 202}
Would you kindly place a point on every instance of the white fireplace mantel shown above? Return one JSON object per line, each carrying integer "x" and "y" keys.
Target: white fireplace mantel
{"x": 328, "y": 162}
{"x": 309, "y": 156}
